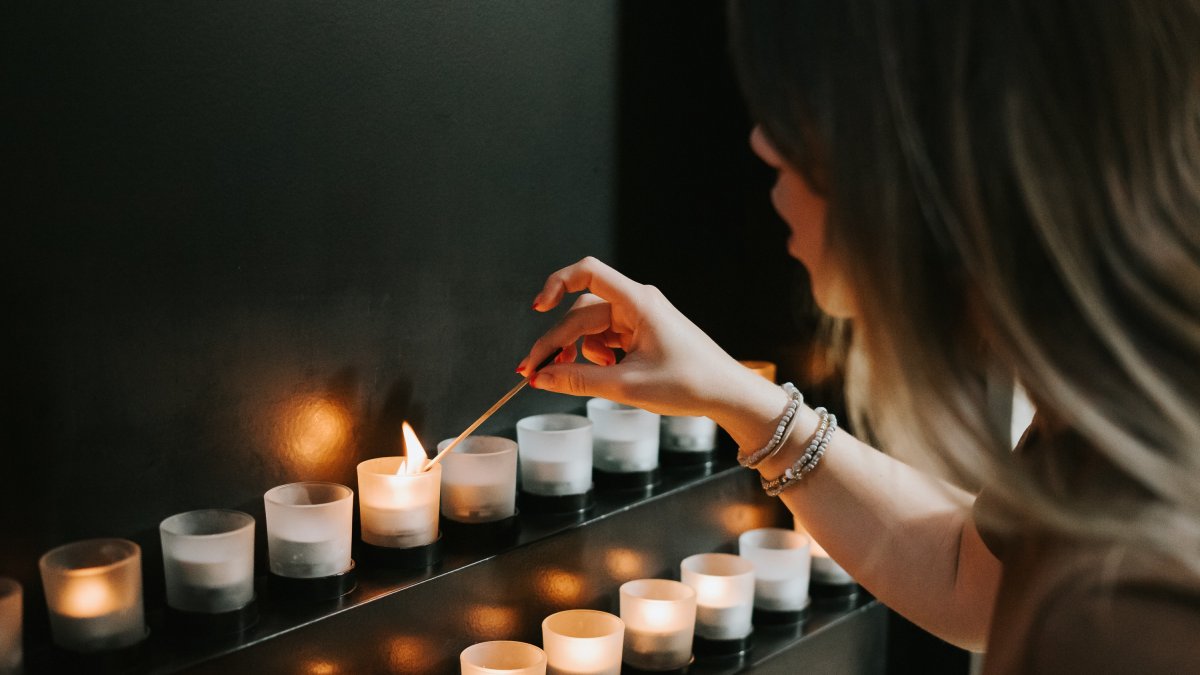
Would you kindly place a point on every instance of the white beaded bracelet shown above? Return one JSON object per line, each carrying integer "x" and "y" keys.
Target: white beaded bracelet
{"x": 795, "y": 400}
{"x": 809, "y": 460}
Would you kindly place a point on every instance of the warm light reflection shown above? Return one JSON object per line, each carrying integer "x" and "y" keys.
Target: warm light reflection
{"x": 87, "y": 596}
{"x": 737, "y": 518}
{"x": 320, "y": 667}
{"x": 414, "y": 452}
{"x": 765, "y": 369}
{"x": 491, "y": 622}
{"x": 409, "y": 654}
{"x": 315, "y": 432}
{"x": 560, "y": 587}
{"x": 625, "y": 564}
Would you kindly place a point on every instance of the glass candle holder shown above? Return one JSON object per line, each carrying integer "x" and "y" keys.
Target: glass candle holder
{"x": 724, "y": 586}
{"x": 781, "y": 567}
{"x": 308, "y": 529}
{"x": 502, "y": 657}
{"x": 94, "y": 594}
{"x": 556, "y": 454}
{"x": 688, "y": 434}
{"x": 583, "y": 642}
{"x": 764, "y": 368}
{"x": 208, "y": 560}
{"x": 479, "y": 479}
{"x": 11, "y": 613}
{"x": 398, "y": 510}
{"x": 626, "y": 438}
{"x": 660, "y": 617}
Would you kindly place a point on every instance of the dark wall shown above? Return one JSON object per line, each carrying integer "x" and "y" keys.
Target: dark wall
{"x": 244, "y": 240}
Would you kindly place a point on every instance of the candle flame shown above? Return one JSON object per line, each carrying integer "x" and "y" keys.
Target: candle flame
{"x": 87, "y": 597}
{"x": 414, "y": 452}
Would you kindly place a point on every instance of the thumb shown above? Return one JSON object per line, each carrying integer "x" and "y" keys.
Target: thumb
{"x": 577, "y": 379}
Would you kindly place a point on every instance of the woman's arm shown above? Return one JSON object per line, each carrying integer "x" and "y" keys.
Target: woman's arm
{"x": 907, "y": 537}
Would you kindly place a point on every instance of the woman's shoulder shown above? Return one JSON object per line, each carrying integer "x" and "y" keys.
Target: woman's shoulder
{"x": 1119, "y": 611}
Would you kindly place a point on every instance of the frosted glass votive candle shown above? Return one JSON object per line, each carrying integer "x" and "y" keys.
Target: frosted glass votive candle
{"x": 309, "y": 529}
{"x": 398, "y": 510}
{"x": 660, "y": 617}
{"x": 502, "y": 657}
{"x": 479, "y": 479}
{"x": 11, "y": 613}
{"x": 724, "y": 586}
{"x": 626, "y": 438}
{"x": 583, "y": 642}
{"x": 688, "y": 434}
{"x": 781, "y": 567}
{"x": 556, "y": 454}
{"x": 94, "y": 594}
{"x": 208, "y": 560}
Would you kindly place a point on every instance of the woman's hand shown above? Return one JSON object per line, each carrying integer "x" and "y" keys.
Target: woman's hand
{"x": 670, "y": 365}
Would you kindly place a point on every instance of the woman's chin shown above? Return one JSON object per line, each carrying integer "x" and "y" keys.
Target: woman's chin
{"x": 834, "y": 300}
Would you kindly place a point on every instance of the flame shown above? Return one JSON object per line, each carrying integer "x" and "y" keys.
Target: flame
{"x": 414, "y": 452}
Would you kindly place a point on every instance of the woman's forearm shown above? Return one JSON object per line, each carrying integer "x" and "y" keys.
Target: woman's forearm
{"x": 904, "y": 535}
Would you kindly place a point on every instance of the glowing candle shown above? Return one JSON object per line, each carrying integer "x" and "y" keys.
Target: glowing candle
{"x": 724, "y": 586}
{"x": 397, "y": 501}
{"x": 502, "y": 657}
{"x": 583, "y": 642}
{"x": 10, "y": 625}
{"x": 659, "y": 616}
{"x": 94, "y": 594}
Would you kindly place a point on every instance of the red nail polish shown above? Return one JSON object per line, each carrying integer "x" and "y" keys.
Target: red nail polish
{"x": 533, "y": 380}
{"x": 535, "y": 304}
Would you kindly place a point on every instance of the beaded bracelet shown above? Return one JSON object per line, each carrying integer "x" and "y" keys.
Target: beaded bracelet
{"x": 808, "y": 461}
{"x": 795, "y": 400}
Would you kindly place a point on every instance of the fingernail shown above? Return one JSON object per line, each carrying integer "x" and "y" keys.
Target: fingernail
{"x": 535, "y": 304}
{"x": 521, "y": 365}
{"x": 533, "y": 380}
{"x": 612, "y": 360}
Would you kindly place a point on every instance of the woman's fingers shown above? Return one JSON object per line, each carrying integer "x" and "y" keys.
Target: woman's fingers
{"x": 580, "y": 321}
{"x": 587, "y": 274}
{"x": 597, "y": 351}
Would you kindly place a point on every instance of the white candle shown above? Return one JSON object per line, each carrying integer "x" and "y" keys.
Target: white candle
{"x": 479, "y": 479}
{"x": 398, "y": 510}
{"x": 689, "y": 434}
{"x": 308, "y": 559}
{"x": 724, "y": 586}
{"x": 208, "y": 560}
{"x": 309, "y": 529}
{"x": 626, "y": 438}
{"x": 556, "y": 454}
{"x": 502, "y": 657}
{"x": 626, "y": 456}
{"x": 781, "y": 567}
{"x": 94, "y": 594}
{"x": 583, "y": 642}
{"x": 11, "y": 612}
{"x": 660, "y": 617}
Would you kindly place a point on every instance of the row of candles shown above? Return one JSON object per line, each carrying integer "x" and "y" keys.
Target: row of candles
{"x": 715, "y": 601}
{"x": 93, "y": 588}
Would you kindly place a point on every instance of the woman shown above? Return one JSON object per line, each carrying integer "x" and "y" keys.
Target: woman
{"x": 991, "y": 187}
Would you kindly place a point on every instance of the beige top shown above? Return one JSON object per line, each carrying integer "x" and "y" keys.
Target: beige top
{"x": 1074, "y": 606}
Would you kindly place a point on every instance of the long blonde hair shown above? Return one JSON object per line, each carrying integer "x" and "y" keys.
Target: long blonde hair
{"x": 1013, "y": 187}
